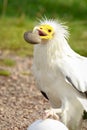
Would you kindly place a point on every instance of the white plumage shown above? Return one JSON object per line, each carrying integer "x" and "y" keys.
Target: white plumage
{"x": 47, "y": 124}
{"x": 60, "y": 72}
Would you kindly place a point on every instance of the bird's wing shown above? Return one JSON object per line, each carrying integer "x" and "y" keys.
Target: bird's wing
{"x": 74, "y": 70}
{"x": 44, "y": 94}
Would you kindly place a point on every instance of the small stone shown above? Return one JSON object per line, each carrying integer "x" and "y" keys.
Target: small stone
{"x": 15, "y": 128}
{"x": 31, "y": 37}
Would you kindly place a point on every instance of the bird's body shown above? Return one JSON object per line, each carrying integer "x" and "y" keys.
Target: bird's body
{"x": 51, "y": 80}
{"x": 61, "y": 74}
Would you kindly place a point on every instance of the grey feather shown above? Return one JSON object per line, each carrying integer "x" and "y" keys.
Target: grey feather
{"x": 70, "y": 81}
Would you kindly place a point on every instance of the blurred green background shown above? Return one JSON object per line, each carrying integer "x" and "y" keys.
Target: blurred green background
{"x": 18, "y": 16}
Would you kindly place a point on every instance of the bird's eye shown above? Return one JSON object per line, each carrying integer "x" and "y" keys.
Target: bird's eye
{"x": 41, "y": 28}
{"x": 49, "y": 30}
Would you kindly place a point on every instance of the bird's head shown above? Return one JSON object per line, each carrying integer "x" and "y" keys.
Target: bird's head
{"x": 45, "y": 31}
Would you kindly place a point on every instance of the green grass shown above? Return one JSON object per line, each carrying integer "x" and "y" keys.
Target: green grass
{"x": 11, "y": 35}
{"x": 78, "y": 37}
{"x": 4, "y": 73}
{"x": 7, "y": 62}
{"x": 12, "y": 30}
{"x": 71, "y": 9}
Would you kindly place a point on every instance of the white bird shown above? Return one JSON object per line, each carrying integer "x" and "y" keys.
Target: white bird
{"x": 47, "y": 124}
{"x": 60, "y": 73}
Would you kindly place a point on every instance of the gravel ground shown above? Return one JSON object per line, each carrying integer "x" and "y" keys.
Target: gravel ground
{"x": 20, "y": 102}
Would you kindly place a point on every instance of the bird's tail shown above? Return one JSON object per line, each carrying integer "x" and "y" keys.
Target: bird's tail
{"x": 84, "y": 103}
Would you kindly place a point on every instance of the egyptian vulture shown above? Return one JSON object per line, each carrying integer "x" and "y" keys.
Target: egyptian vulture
{"x": 60, "y": 73}
{"x": 47, "y": 124}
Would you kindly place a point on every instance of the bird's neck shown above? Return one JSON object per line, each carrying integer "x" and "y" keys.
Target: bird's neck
{"x": 51, "y": 51}
{"x": 59, "y": 48}
{"x": 63, "y": 48}
{"x": 41, "y": 55}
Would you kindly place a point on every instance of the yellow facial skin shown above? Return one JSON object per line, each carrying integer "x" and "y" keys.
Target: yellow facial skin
{"x": 46, "y": 32}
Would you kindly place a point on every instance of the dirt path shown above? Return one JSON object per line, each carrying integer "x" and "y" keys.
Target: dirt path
{"x": 20, "y": 102}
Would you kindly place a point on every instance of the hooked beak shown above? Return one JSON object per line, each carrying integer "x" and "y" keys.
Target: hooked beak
{"x": 41, "y": 33}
